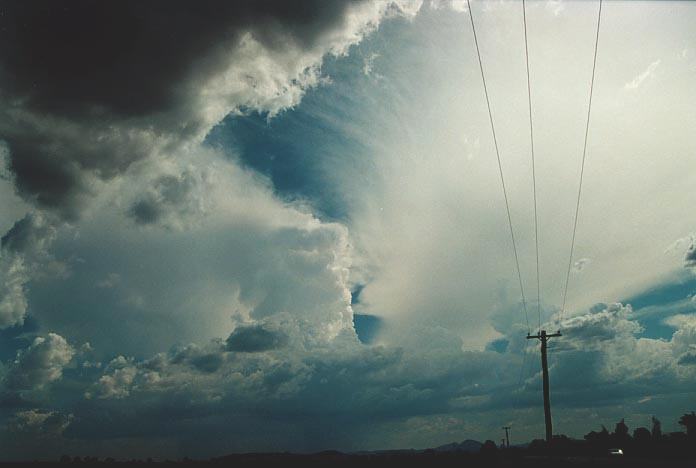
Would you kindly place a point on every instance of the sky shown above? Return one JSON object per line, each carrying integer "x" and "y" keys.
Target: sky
{"x": 271, "y": 226}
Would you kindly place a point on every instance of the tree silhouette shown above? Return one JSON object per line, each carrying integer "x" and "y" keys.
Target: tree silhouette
{"x": 656, "y": 429}
{"x": 621, "y": 430}
{"x": 597, "y": 437}
{"x": 642, "y": 435}
{"x": 489, "y": 448}
{"x": 621, "y": 436}
{"x": 688, "y": 420}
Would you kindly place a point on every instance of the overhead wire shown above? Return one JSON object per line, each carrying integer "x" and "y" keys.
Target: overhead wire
{"x": 582, "y": 169}
{"x": 500, "y": 167}
{"x": 531, "y": 139}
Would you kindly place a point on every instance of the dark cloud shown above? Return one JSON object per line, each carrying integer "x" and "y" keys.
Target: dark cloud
{"x": 169, "y": 193}
{"x": 130, "y": 58}
{"x": 88, "y": 89}
{"x": 145, "y": 211}
{"x": 688, "y": 358}
{"x": 254, "y": 338}
{"x": 54, "y": 162}
{"x": 208, "y": 362}
{"x": 204, "y": 360}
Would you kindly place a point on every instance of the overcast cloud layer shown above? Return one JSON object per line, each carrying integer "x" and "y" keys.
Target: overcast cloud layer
{"x": 197, "y": 201}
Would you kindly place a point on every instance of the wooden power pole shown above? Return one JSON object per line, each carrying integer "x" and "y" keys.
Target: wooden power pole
{"x": 507, "y": 436}
{"x": 543, "y": 337}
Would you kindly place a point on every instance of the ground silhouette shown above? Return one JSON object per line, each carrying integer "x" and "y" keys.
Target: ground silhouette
{"x": 644, "y": 448}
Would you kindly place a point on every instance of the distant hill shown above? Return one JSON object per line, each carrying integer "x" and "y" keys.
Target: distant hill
{"x": 470, "y": 446}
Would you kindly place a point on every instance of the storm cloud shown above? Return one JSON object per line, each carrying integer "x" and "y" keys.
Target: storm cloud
{"x": 255, "y": 338}
{"x": 98, "y": 94}
{"x": 89, "y": 89}
{"x": 207, "y": 194}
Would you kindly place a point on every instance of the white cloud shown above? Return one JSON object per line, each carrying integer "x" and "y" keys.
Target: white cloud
{"x": 209, "y": 251}
{"x": 39, "y": 364}
{"x": 24, "y": 255}
{"x": 581, "y": 264}
{"x": 250, "y": 67}
{"x": 39, "y": 423}
{"x": 555, "y": 6}
{"x": 368, "y": 64}
{"x": 459, "y": 6}
{"x": 192, "y": 274}
{"x": 83, "y": 155}
{"x": 640, "y": 78}
{"x": 13, "y": 302}
{"x": 116, "y": 383}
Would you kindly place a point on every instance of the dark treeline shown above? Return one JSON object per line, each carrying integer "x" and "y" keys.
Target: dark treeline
{"x": 643, "y": 447}
{"x": 642, "y": 442}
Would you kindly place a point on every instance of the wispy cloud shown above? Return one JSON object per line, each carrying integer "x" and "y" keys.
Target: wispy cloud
{"x": 368, "y": 64}
{"x": 638, "y": 80}
{"x": 555, "y": 6}
{"x": 581, "y": 264}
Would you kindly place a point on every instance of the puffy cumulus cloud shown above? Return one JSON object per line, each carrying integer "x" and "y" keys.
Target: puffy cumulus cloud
{"x": 67, "y": 139}
{"x": 684, "y": 338}
{"x": 602, "y": 358}
{"x": 688, "y": 358}
{"x": 261, "y": 286}
{"x": 116, "y": 383}
{"x": 196, "y": 390}
{"x": 31, "y": 234}
{"x": 39, "y": 423}
{"x": 254, "y": 338}
{"x": 193, "y": 391}
{"x": 603, "y": 323}
{"x": 456, "y": 5}
{"x": 13, "y": 302}
{"x": 114, "y": 85}
{"x": 307, "y": 390}
{"x": 73, "y": 145}
{"x": 39, "y": 364}
{"x": 35, "y": 432}
{"x": 24, "y": 254}
{"x": 206, "y": 373}
{"x": 226, "y": 253}
{"x": 168, "y": 193}
{"x": 690, "y": 258}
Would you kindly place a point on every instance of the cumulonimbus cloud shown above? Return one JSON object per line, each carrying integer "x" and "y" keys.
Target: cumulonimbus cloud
{"x": 117, "y": 83}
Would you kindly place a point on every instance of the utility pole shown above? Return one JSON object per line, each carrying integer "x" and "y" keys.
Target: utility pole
{"x": 543, "y": 337}
{"x": 507, "y": 435}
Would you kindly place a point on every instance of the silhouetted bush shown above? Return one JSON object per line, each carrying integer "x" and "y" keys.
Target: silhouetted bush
{"x": 689, "y": 422}
{"x": 489, "y": 448}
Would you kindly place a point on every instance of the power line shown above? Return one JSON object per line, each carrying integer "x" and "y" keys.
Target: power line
{"x": 531, "y": 139}
{"x": 500, "y": 166}
{"x": 582, "y": 167}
